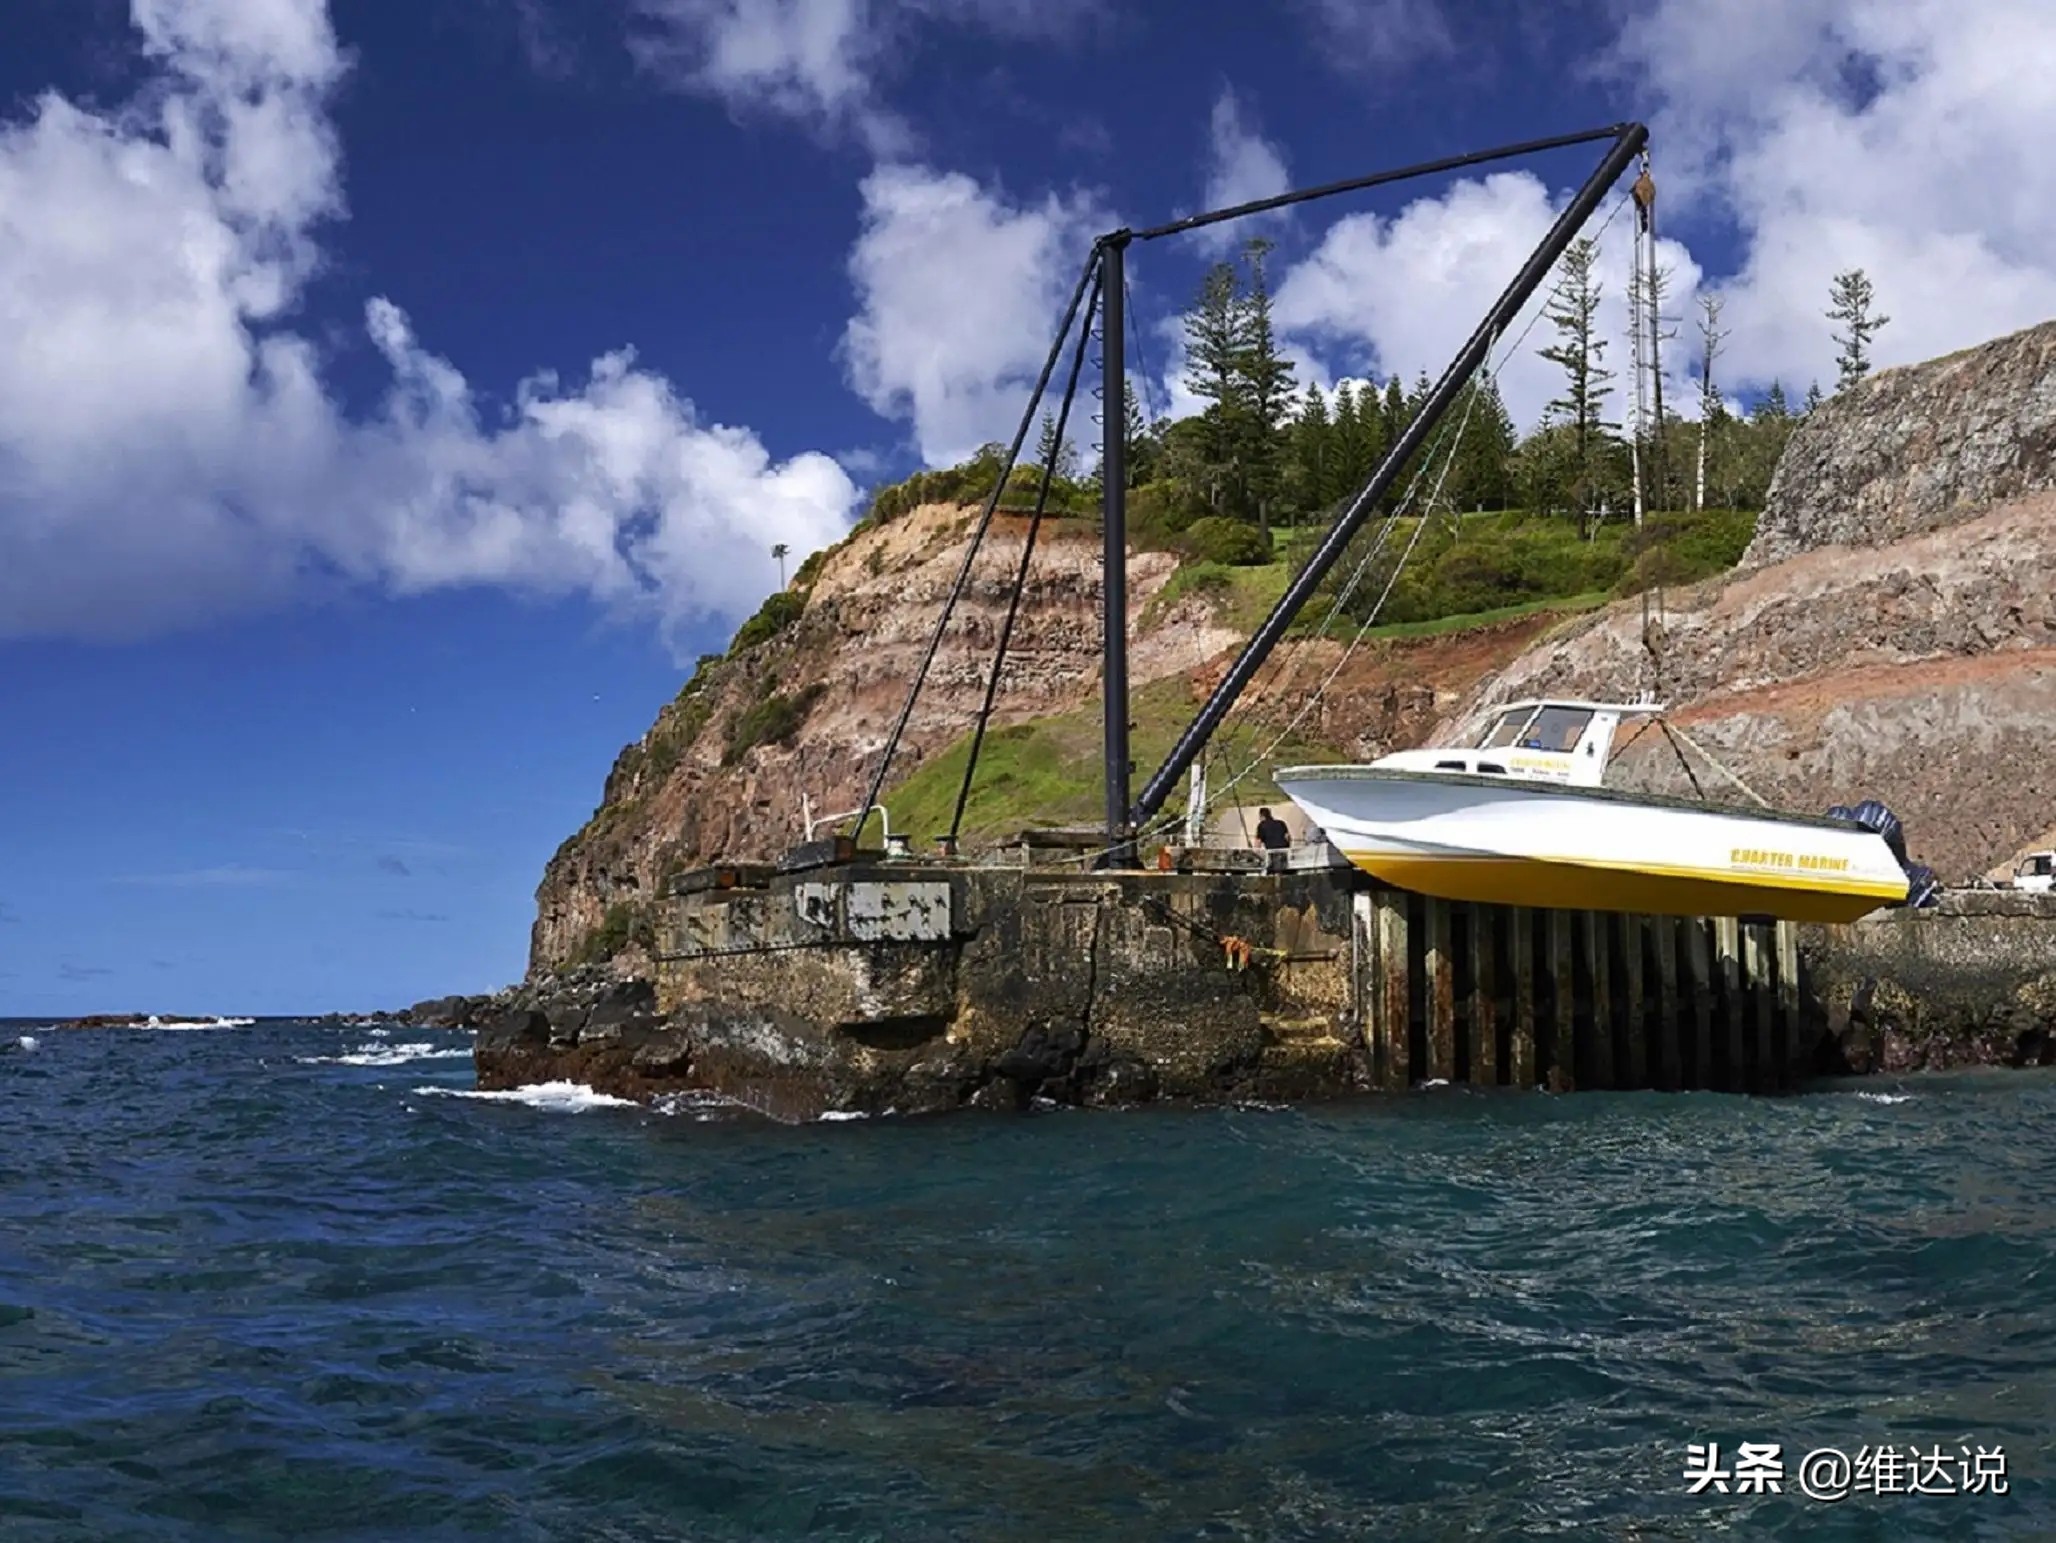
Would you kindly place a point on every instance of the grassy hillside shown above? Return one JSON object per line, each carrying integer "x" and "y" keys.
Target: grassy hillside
{"x": 1465, "y": 572}
{"x": 1047, "y": 771}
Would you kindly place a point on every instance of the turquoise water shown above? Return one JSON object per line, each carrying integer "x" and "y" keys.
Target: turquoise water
{"x": 254, "y": 1284}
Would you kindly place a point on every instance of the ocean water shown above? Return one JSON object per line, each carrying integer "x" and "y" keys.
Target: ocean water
{"x": 290, "y": 1281}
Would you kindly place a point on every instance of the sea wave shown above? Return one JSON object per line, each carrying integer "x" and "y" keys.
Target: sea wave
{"x": 184, "y": 1024}
{"x": 29, "y": 1042}
{"x": 388, "y": 1055}
{"x": 1886, "y": 1098}
{"x": 698, "y": 1105}
{"x": 558, "y": 1097}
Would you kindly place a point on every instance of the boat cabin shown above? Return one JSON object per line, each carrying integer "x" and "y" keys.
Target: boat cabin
{"x": 2036, "y": 871}
{"x": 1550, "y": 739}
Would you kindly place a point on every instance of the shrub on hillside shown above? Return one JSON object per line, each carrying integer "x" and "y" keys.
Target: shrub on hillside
{"x": 778, "y": 612}
{"x": 625, "y": 923}
{"x": 1217, "y": 539}
{"x": 772, "y": 721}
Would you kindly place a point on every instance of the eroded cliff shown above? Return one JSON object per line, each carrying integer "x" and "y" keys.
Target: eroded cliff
{"x": 803, "y": 712}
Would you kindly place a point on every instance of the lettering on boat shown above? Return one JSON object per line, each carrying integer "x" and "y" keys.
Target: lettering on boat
{"x": 1802, "y": 862}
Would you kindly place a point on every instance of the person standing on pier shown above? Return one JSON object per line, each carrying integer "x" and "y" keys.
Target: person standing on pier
{"x": 1271, "y": 833}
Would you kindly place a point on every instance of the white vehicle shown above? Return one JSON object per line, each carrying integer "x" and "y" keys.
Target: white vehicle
{"x": 2035, "y": 871}
{"x": 1522, "y": 818}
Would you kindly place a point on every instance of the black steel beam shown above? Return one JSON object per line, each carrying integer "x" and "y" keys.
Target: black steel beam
{"x": 1379, "y": 179}
{"x": 1628, "y": 142}
{"x": 1114, "y": 528}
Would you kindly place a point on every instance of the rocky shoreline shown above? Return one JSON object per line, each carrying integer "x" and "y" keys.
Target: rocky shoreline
{"x": 1968, "y": 983}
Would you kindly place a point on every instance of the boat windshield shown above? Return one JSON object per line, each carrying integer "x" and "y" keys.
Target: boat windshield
{"x": 1507, "y": 728}
{"x": 1557, "y": 729}
{"x": 2038, "y": 866}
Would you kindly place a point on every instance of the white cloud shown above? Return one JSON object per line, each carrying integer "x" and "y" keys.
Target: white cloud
{"x": 1410, "y": 289}
{"x": 959, "y": 292}
{"x": 1906, "y": 137}
{"x": 820, "y": 62}
{"x": 1242, "y": 167}
{"x": 168, "y": 447}
{"x": 1364, "y": 36}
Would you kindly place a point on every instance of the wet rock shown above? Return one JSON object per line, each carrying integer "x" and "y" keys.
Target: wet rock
{"x": 437, "y": 1012}
{"x": 1042, "y": 1055}
{"x": 519, "y": 1027}
{"x": 620, "y": 1003}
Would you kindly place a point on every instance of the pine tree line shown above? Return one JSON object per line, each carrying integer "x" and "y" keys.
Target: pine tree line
{"x": 1266, "y": 451}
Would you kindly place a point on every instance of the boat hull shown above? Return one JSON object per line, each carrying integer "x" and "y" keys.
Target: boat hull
{"x": 1501, "y": 841}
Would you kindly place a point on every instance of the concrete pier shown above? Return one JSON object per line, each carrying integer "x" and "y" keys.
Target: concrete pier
{"x": 909, "y": 985}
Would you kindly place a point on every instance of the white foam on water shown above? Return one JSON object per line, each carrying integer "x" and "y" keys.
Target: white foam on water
{"x": 558, "y": 1097}
{"x": 1436, "y": 1082}
{"x": 828, "y": 1116}
{"x": 697, "y": 1106}
{"x": 29, "y": 1042}
{"x": 185, "y": 1024}
{"x": 386, "y": 1055}
{"x": 1886, "y": 1098}
{"x": 380, "y": 1033}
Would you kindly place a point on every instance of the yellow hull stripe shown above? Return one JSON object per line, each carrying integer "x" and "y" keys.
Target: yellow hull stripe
{"x": 1650, "y": 888}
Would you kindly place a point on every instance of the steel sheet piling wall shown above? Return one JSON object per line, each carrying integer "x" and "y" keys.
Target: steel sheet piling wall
{"x": 1499, "y": 996}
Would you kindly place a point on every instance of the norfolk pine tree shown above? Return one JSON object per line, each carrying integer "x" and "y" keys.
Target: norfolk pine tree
{"x": 1850, "y": 298}
{"x": 1711, "y": 412}
{"x": 1213, "y": 348}
{"x": 1574, "y": 311}
{"x": 1267, "y": 385}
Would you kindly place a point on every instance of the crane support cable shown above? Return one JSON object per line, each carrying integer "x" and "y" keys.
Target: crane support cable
{"x": 1087, "y": 278}
{"x": 1006, "y": 630}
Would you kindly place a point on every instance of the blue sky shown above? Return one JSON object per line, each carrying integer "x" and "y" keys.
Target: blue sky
{"x": 394, "y": 398}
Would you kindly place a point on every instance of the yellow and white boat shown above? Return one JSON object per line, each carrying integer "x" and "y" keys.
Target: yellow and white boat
{"x": 1522, "y": 818}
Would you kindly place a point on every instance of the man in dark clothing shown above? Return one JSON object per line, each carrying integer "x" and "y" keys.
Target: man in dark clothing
{"x": 1271, "y": 833}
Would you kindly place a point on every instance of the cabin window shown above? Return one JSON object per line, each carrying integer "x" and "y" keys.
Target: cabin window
{"x": 2039, "y": 865}
{"x": 1507, "y": 729}
{"x": 1451, "y": 766}
{"x": 1492, "y": 768}
{"x": 1557, "y": 728}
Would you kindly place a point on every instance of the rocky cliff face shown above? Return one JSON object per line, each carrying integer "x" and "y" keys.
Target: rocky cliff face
{"x": 1892, "y": 629}
{"x": 1917, "y": 449}
{"x": 725, "y": 767}
{"x": 722, "y": 771}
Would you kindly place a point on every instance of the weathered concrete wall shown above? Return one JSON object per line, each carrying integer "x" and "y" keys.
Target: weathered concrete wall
{"x": 1970, "y": 982}
{"x": 912, "y": 987}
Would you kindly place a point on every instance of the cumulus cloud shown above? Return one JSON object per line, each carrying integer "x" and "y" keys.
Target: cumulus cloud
{"x": 169, "y": 448}
{"x": 1906, "y": 137}
{"x": 959, "y": 292}
{"x": 1242, "y": 167}
{"x": 820, "y": 62}
{"x": 1408, "y": 290}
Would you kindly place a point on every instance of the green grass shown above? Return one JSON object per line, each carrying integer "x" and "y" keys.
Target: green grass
{"x": 1442, "y": 625}
{"x": 1047, "y": 771}
{"x": 1467, "y": 573}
